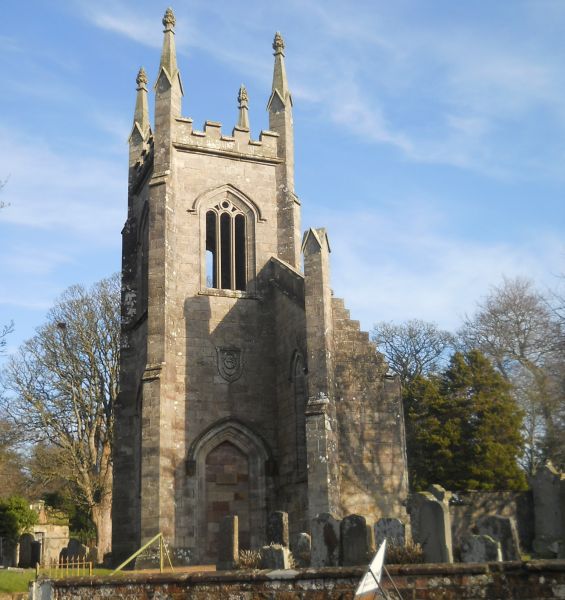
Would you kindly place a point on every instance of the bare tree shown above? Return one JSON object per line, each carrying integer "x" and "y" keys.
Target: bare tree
{"x": 6, "y": 329}
{"x": 517, "y": 330}
{"x": 4, "y": 332}
{"x": 12, "y": 474}
{"x": 413, "y": 348}
{"x": 65, "y": 383}
{"x": 2, "y": 184}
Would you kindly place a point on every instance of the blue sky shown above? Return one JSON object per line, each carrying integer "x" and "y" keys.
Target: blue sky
{"x": 430, "y": 138}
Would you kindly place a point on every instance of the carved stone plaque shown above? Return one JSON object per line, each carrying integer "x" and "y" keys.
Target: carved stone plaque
{"x": 230, "y": 362}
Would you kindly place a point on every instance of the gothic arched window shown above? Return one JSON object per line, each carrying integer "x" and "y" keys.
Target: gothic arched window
{"x": 226, "y": 264}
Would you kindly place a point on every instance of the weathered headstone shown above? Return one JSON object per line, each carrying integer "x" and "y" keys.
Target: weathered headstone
{"x": 548, "y": 490}
{"x": 94, "y": 555}
{"x": 393, "y": 530}
{"x": 228, "y": 543}
{"x": 25, "y": 550}
{"x": 76, "y": 550}
{"x": 275, "y": 556}
{"x": 480, "y": 549}
{"x": 357, "y": 541}
{"x": 325, "y": 541}
{"x": 503, "y": 530}
{"x": 277, "y": 528}
{"x": 440, "y": 493}
{"x": 431, "y": 527}
{"x": 302, "y": 550}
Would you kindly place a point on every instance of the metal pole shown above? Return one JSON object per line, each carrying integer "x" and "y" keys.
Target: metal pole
{"x": 392, "y": 581}
{"x": 379, "y": 585}
{"x": 136, "y": 554}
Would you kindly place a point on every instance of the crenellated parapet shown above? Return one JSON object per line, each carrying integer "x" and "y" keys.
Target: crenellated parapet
{"x": 239, "y": 144}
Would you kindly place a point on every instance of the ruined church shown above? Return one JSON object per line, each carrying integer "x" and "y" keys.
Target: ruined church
{"x": 245, "y": 387}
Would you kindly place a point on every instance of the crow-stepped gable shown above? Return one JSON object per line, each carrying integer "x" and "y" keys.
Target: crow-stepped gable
{"x": 245, "y": 387}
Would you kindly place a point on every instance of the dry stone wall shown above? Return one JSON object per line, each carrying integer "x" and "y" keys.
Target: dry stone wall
{"x": 536, "y": 580}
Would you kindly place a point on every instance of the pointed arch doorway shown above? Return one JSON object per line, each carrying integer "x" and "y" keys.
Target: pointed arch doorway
{"x": 230, "y": 462}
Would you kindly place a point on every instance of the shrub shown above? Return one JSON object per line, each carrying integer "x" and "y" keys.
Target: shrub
{"x": 249, "y": 559}
{"x": 411, "y": 553}
{"x": 16, "y": 517}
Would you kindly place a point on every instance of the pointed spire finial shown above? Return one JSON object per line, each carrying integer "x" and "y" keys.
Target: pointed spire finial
{"x": 141, "y": 79}
{"x": 169, "y": 20}
{"x": 280, "y": 84}
{"x": 141, "y": 114}
{"x": 243, "y": 99}
{"x": 278, "y": 44}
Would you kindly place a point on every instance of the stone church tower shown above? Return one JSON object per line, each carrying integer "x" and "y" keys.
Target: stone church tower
{"x": 244, "y": 385}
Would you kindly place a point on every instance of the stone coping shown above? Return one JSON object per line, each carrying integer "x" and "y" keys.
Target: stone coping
{"x": 203, "y": 577}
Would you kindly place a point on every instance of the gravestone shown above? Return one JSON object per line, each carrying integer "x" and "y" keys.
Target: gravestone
{"x": 94, "y": 555}
{"x": 393, "y": 530}
{"x": 325, "y": 541}
{"x": 503, "y": 530}
{"x": 277, "y": 528}
{"x": 548, "y": 490}
{"x": 76, "y": 550}
{"x": 228, "y": 543}
{"x": 357, "y": 541}
{"x": 275, "y": 557}
{"x": 25, "y": 550}
{"x": 480, "y": 549}
{"x": 440, "y": 493}
{"x": 302, "y": 550}
{"x": 431, "y": 527}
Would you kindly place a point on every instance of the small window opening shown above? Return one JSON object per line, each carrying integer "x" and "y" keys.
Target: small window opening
{"x": 211, "y": 250}
{"x": 240, "y": 277}
{"x": 226, "y": 251}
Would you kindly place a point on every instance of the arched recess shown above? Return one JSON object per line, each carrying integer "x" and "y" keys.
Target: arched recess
{"x": 207, "y": 198}
{"x": 299, "y": 391}
{"x": 230, "y": 463}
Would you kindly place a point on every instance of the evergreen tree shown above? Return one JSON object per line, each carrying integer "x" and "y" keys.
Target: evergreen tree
{"x": 463, "y": 428}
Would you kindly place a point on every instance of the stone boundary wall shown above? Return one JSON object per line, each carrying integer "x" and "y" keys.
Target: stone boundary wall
{"x": 535, "y": 580}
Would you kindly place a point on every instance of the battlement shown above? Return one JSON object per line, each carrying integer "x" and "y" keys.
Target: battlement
{"x": 211, "y": 140}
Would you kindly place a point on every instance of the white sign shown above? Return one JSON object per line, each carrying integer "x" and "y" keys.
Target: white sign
{"x": 370, "y": 582}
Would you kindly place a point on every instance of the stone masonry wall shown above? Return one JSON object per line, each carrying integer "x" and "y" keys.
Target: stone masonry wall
{"x": 374, "y": 479}
{"x": 287, "y": 298}
{"x": 535, "y": 580}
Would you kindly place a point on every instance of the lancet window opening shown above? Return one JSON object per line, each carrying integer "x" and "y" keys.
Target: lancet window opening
{"x": 226, "y": 236}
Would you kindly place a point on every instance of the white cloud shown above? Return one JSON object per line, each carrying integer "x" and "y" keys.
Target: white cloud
{"x": 78, "y": 195}
{"x": 402, "y": 264}
{"x": 32, "y": 260}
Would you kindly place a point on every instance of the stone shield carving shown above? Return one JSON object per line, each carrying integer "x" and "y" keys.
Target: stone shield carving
{"x": 230, "y": 362}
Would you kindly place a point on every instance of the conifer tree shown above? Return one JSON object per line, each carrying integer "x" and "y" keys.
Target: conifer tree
{"x": 464, "y": 427}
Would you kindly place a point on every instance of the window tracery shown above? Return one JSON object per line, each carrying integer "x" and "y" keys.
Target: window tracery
{"x": 226, "y": 254}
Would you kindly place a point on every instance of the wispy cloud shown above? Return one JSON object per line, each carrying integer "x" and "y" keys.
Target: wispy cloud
{"x": 25, "y": 260}
{"x": 402, "y": 264}
{"x": 477, "y": 86}
{"x": 78, "y": 194}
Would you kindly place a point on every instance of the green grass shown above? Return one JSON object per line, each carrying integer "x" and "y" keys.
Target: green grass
{"x": 13, "y": 581}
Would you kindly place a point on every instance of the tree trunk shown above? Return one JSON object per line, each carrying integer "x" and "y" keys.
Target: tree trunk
{"x": 102, "y": 518}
